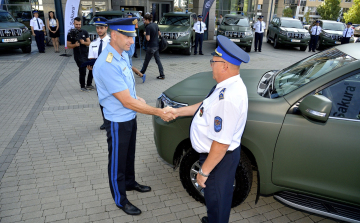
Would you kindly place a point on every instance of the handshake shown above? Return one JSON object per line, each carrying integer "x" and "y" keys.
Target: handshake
{"x": 169, "y": 114}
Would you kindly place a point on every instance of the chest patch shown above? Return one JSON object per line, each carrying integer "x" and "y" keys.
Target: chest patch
{"x": 222, "y": 93}
{"x": 201, "y": 111}
{"x": 217, "y": 124}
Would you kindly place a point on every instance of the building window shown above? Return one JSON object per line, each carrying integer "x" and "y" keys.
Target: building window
{"x": 347, "y": 0}
{"x": 321, "y": 0}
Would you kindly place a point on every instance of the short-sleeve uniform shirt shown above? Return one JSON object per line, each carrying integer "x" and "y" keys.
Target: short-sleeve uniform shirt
{"x": 35, "y": 25}
{"x": 113, "y": 74}
{"x": 315, "y": 30}
{"x": 94, "y": 46}
{"x": 348, "y": 32}
{"x": 257, "y": 26}
{"x": 221, "y": 117}
{"x": 197, "y": 27}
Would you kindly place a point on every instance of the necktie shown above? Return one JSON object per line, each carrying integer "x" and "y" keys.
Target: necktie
{"x": 260, "y": 26}
{"x": 316, "y": 31}
{"x": 100, "y": 47}
{"x": 38, "y": 23}
{"x": 200, "y": 26}
{"x": 346, "y": 32}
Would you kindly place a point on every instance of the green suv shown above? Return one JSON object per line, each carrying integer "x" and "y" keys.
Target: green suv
{"x": 331, "y": 34}
{"x": 177, "y": 29}
{"x": 13, "y": 35}
{"x": 113, "y": 15}
{"x": 287, "y": 31}
{"x": 302, "y": 133}
{"x": 237, "y": 29}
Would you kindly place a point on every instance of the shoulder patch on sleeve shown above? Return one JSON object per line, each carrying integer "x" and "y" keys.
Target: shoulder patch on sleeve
{"x": 109, "y": 57}
{"x": 221, "y": 94}
{"x": 217, "y": 124}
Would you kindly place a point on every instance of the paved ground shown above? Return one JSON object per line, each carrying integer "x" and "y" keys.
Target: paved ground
{"x": 53, "y": 162}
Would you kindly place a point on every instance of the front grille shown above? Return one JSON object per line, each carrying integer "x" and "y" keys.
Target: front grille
{"x": 10, "y": 32}
{"x": 170, "y": 35}
{"x": 296, "y": 35}
{"x": 336, "y": 37}
{"x": 234, "y": 34}
{"x": 93, "y": 37}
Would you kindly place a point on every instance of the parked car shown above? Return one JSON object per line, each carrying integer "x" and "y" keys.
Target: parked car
{"x": 112, "y": 15}
{"x": 356, "y": 29}
{"x": 302, "y": 133}
{"x": 177, "y": 29}
{"x": 287, "y": 31}
{"x": 331, "y": 34}
{"x": 13, "y": 34}
{"x": 237, "y": 29}
{"x": 306, "y": 27}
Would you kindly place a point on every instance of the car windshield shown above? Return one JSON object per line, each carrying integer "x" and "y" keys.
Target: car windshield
{"x": 6, "y": 17}
{"x": 307, "y": 70}
{"x": 292, "y": 24}
{"x": 108, "y": 17}
{"x": 175, "y": 20}
{"x": 333, "y": 26}
{"x": 232, "y": 21}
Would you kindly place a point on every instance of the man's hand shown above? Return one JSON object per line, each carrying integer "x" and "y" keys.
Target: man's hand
{"x": 77, "y": 43}
{"x": 167, "y": 116}
{"x": 201, "y": 180}
{"x": 82, "y": 41}
{"x": 89, "y": 67}
{"x": 141, "y": 99}
{"x": 172, "y": 110}
{"x": 34, "y": 34}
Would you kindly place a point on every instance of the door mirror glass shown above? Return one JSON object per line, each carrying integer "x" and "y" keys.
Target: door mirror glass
{"x": 316, "y": 107}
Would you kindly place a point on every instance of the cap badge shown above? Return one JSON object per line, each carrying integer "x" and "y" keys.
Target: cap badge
{"x": 98, "y": 19}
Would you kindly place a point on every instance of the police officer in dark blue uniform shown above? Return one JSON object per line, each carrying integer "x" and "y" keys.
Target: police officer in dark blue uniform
{"x": 217, "y": 127}
{"x": 116, "y": 92}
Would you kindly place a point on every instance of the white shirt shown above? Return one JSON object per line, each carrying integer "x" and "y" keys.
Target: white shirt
{"x": 349, "y": 33}
{"x": 315, "y": 31}
{"x": 221, "y": 117}
{"x": 94, "y": 46}
{"x": 257, "y": 26}
{"x": 52, "y": 23}
{"x": 35, "y": 25}
{"x": 197, "y": 27}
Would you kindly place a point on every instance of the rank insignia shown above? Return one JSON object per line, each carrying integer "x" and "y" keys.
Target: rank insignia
{"x": 201, "y": 111}
{"x": 217, "y": 124}
{"x": 109, "y": 57}
{"x": 221, "y": 94}
{"x": 98, "y": 19}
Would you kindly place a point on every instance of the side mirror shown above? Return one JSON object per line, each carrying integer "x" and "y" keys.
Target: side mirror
{"x": 19, "y": 19}
{"x": 316, "y": 107}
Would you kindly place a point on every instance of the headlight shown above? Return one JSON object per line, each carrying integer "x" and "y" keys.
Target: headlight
{"x": 283, "y": 33}
{"x": 326, "y": 34}
{"x": 183, "y": 33}
{"x": 25, "y": 29}
{"x": 248, "y": 33}
{"x": 164, "y": 101}
{"x": 307, "y": 34}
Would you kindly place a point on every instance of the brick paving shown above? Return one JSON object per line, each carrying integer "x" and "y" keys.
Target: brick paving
{"x": 54, "y": 157}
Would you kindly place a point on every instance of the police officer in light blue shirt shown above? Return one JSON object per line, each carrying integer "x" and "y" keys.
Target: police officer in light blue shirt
{"x": 116, "y": 92}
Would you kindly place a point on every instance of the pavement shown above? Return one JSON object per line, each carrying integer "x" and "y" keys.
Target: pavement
{"x": 53, "y": 162}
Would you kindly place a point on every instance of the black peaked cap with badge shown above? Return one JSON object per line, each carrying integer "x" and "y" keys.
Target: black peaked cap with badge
{"x": 100, "y": 21}
{"x": 230, "y": 52}
{"x": 125, "y": 26}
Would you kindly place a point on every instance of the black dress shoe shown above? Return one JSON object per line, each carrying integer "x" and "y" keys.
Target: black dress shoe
{"x": 195, "y": 53}
{"x": 259, "y": 50}
{"x": 130, "y": 209}
{"x": 140, "y": 188}
{"x": 102, "y": 127}
{"x": 201, "y": 54}
{"x": 205, "y": 220}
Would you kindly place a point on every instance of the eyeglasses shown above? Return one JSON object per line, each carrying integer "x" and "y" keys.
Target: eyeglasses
{"x": 212, "y": 62}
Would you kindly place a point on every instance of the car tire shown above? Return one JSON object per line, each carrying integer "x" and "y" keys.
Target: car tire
{"x": 188, "y": 50}
{"x": 248, "y": 49}
{"x": 268, "y": 40}
{"x": 243, "y": 177}
{"x": 303, "y": 48}
{"x": 26, "y": 49}
{"x": 276, "y": 44}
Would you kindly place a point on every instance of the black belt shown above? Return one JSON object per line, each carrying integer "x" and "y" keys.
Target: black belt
{"x": 227, "y": 152}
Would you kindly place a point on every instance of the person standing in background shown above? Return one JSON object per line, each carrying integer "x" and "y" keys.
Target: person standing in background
{"x": 53, "y": 26}
{"x": 199, "y": 28}
{"x": 259, "y": 27}
{"x": 347, "y": 34}
{"x": 38, "y": 30}
{"x": 315, "y": 32}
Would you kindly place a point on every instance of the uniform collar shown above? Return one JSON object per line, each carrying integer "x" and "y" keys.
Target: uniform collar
{"x": 105, "y": 38}
{"x": 228, "y": 81}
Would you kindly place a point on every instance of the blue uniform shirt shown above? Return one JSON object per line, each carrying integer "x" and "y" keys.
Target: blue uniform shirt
{"x": 112, "y": 77}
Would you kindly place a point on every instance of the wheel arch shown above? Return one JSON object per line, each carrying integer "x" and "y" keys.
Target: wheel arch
{"x": 180, "y": 150}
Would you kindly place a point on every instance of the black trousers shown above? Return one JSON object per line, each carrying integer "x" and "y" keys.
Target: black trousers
{"x": 39, "y": 38}
{"x": 82, "y": 73}
{"x": 258, "y": 40}
{"x": 121, "y": 138}
{"x": 313, "y": 42}
{"x": 345, "y": 40}
{"x": 198, "y": 41}
{"x": 218, "y": 192}
{"x": 150, "y": 52}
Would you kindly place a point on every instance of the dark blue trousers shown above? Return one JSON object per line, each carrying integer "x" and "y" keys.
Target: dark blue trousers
{"x": 39, "y": 38}
{"x": 219, "y": 187}
{"x": 258, "y": 40}
{"x": 121, "y": 138}
{"x": 313, "y": 42}
{"x": 198, "y": 41}
{"x": 345, "y": 40}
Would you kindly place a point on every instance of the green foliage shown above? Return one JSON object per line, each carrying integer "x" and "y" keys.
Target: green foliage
{"x": 307, "y": 16}
{"x": 353, "y": 14}
{"x": 288, "y": 12}
{"x": 329, "y": 9}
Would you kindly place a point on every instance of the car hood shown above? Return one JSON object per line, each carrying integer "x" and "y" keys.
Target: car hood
{"x": 235, "y": 28}
{"x": 89, "y": 28}
{"x": 11, "y": 25}
{"x": 333, "y": 32}
{"x": 295, "y": 30}
{"x": 168, "y": 28}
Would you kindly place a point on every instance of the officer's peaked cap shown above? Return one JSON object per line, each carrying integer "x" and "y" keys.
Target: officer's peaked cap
{"x": 100, "y": 21}
{"x": 124, "y": 26}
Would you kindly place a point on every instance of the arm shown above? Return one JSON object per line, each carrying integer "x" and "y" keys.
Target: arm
{"x": 86, "y": 43}
{"x": 184, "y": 111}
{"x": 57, "y": 25}
{"x": 148, "y": 37}
{"x": 32, "y": 31}
{"x": 72, "y": 46}
{"x": 48, "y": 25}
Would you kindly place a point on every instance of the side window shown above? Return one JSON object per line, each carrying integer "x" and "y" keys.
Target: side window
{"x": 278, "y": 22}
{"x": 345, "y": 97}
{"x": 274, "y": 21}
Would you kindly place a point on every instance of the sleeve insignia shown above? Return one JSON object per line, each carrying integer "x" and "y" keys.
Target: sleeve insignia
{"x": 201, "y": 111}
{"x": 217, "y": 124}
{"x": 109, "y": 57}
{"x": 221, "y": 94}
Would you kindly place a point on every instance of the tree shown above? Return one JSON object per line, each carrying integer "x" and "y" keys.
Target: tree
{"x": 288, "y": 12}
{"x": 329, "y": 9}
{"x": 353, "y": 14}
{"x": 307, "y": 16}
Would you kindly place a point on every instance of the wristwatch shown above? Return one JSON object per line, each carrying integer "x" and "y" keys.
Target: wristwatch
{"x": 203, "y": 174}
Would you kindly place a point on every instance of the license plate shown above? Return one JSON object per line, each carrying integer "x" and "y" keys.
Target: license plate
{"x": 235, "y": 40}
{"x": 337, "y": 42}
{"x": 295, "y": 40}
{"x": 170, "y": 42}
{"x": 9, "y": 40}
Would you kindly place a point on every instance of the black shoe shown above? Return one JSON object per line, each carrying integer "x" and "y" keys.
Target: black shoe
{"x": 140, "y": 188}
{"x": 102, "y": 127}
{"x": 201, "y": 54}
{"x": 161, "y": 77}
{"x": 259, "y": 50}
{"x": 309, "y": 50}
{"x": 255, "y": 50}
{"x": 130, "y": 209}
{"x": 195, "y": 53}
{"x": 313, "y": 50}
{"x": 205, "y": 220}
